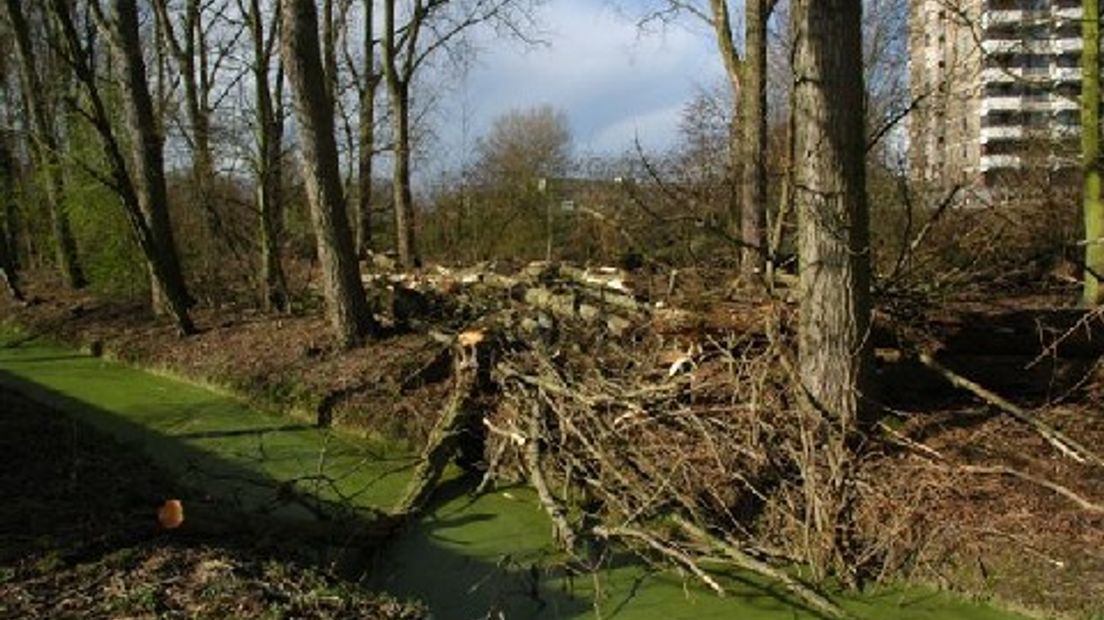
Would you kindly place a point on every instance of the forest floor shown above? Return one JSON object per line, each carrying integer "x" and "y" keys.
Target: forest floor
{"x": 979, "y": 529}
{"x": 81, "y": 540}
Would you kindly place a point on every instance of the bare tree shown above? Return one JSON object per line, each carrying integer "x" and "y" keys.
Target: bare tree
{"x": 525, "y": 144}
{"x": 397, "y": 75}
{"x": 1093, "y": 293}
{"x": 268, "y": 162}
{"x": 367, "y": 84}
{"x": 747, "y": 77}
{"x": 346, "y": 303}
{"x": 833, "y": 245}
{"x": 140, "y": 183}
{"x": 359, "y": 60}
{"x": 519, "y": 169}
{"x": 199, "y": 66}
{"x": 753, "y": 107}
{"x": 147, "y": 156}
{"x": 430, "y": 26}
{"x": 46, "y": 145}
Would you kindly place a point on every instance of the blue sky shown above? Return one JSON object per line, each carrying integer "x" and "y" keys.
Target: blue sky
{"x": 613, "y": 81}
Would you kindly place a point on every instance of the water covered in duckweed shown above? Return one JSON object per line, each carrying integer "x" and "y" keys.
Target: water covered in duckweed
{"x": 469, "y": 557}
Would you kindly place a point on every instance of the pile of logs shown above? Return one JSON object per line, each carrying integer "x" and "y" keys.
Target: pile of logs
{"x": 602, "y": 296}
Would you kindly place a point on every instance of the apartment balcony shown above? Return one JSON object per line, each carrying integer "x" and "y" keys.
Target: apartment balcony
{"x": 1073, "y": 12}
{"x": 1066, "y": 74}
{"x": 1067, "y": 46}
{"x": 1002, "y": 46}
{"x": 1012, "y": 103}
{"x": 1002, "y": 132}
{"x": 993, "y": 17}
{"x": 1061, "y": 102}
{"x": 995, "y": 75}
{"x": 996, "y": 162}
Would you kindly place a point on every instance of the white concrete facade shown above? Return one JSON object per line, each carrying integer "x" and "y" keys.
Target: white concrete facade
{"x": 999, "y": 82}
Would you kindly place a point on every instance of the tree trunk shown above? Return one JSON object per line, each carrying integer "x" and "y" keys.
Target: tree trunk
{"x": 1093, "y": 293}
{"x": 346, "y": 303}
{"x": 79, "y": 46}
{"x": 753, "y": 205}
{"x": 46, "y": 148}
{"x": 367, "y": 138}
{"x": 404, "y": 201}
{"x": 169, "y": 290}
{"x": 747, "y": 78}
{"x": 203, "y": 167}
{"x": 829, "y": 186}
{"x": 269, "y": 167}
{"x": 398, "y": 88}
{"x": 9, "y": 276}
{"x": 190, "y": 52}
{"x": 733, "y": 66}
{"x": 329, "y": 49}
{"x": 11, "y": 226}
{"x": 834, "y": 262}
{"x": 199, "y": 117}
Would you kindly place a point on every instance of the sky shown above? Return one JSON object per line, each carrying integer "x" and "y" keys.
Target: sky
{"x": 613, "y": 81}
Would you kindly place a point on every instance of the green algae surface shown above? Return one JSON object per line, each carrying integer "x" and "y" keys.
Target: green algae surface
{"x": 469, "y": 557}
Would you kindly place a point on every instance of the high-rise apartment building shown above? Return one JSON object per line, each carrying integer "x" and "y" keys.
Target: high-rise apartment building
{"x": 999, "y": 83}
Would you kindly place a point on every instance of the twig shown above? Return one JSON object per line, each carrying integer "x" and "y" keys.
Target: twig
{"x": 1065, "y": 492}
{"x": 666, "y": 550}
{"x": 1056, "y": 438}
{"x": 911, "y": 443}
{"x": 1052, "y": 348}
{"x": 994, "y": 470}
{"x": 552, "y": 507}
{"x": 747, "y": 562}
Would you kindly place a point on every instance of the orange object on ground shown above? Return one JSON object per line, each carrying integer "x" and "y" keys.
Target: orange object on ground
{"x": 171, "y": 514}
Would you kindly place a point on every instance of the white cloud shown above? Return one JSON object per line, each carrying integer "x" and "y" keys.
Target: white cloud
{"x": 654, "y": 129}
{"x": 613, "y": 82}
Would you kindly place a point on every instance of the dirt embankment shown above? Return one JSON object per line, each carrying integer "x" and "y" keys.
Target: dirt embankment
{"x": 289, "y": 363}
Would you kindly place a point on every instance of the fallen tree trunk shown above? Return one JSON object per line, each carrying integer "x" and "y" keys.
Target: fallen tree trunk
{"x": 444, "y": 440}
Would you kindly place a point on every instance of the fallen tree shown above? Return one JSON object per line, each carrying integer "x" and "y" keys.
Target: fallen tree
{"x": 656, "y": 428}
{"x": 629, "y": 430}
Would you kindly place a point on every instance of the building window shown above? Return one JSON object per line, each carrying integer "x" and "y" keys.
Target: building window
{"x": 1069, "y": 61}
